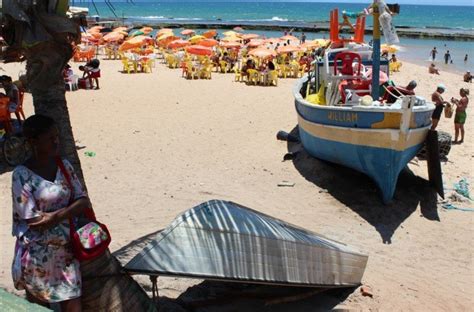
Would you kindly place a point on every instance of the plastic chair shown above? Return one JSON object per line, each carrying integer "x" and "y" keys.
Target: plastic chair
{"x": 301, "y": 71}
{"x": 253, "y": 76}
{"x": 238, "y": 74}
{"x": 223, "y": 66}
{"x": 73, "y": 82}
{"x": 127, "y": 66}
{"x": 272, "y": 78}
{"x": 191, "y": 71}
{"x": 283, "y": 71}
{"x": 206, "y": 72}
{"x": 5, "y": 117}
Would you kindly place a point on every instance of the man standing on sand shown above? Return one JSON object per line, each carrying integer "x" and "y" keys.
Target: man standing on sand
{"x": 437, "y": 99}
{"x": 433, "y": 54}
{"x": 303, "y": 38}
{"x": 447, "y": 57}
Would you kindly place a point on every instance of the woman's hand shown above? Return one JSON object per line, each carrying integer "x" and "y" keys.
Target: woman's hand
{"x": 46, "y": 221}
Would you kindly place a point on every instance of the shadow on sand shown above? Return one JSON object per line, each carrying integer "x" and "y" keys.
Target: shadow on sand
{"x": 358, "y": 192}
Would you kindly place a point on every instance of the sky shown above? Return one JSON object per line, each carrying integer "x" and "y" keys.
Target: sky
{"x": 417, "y": 2}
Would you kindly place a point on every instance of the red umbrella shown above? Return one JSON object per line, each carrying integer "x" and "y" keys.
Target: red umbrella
{"x": 208, "y": 42}
{"x": 210, "y": 34}
{"x": 199, "y": 50}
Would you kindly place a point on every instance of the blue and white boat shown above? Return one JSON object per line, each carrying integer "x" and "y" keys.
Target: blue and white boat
{"x": 345, "y": 126}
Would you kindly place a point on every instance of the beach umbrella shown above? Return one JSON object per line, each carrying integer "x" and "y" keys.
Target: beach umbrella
{"x": 231, "y": 39}
{"x": 196, "y": 38}
{"x": 164, "y": 31}
{"x": 238, "y": 28}
{"x": 287, "y": 49}
{"x": 262, "y": 52}
{"x": 134, "y": 42}
{"x": 210, "y": 33}
{"x": 208, "y": 42}
{"x": 199, "y": 50}
{"x": 230, "y": 44}
{"x": 113, "y": 37}
{"x": 146, "y": 30}
{"x": 176, "y": 44}
{"x": 165, "y": 36}
{"x": 136, "y": 33}
{"x": 321, "y": 42}
{"x": 388, "y": 48}
{"x": 249, "y": 36}
{"x": 289, "y": 37}
{"x": 255, "y": 43}
{"x": 119, "y": 29}
{"x": 95, "y": 29}
{"x": 231, "y": 33}
{"x": 167, "y": 40}
{"x": 273, "y": 40}
{"x": 187, "y": 32}
{"x": 310, "y": 45}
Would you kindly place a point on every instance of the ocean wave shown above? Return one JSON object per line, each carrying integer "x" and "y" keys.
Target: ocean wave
{"x": 279, "y": 19}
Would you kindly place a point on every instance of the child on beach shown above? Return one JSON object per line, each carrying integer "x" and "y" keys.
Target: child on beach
{"x": 433, "y": 70}
{"x": 437, "y": 99}
{"x": 460, "y": 116}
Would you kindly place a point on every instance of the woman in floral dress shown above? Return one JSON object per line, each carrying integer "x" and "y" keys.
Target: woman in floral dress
{"x": 43, "y": 264}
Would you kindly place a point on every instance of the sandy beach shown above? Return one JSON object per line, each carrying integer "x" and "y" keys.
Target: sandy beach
{"x": 164, "y": 144}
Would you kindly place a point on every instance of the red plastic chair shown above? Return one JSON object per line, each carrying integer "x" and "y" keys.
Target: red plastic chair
{"x": 347, "y": 59}
{"x": 5, "y": 118}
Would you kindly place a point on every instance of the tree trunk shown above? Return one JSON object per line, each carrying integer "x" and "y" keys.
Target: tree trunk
{"x": 44, "y": 75}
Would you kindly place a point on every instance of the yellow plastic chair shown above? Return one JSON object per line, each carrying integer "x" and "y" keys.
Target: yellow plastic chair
{"x": 254, "y": 76}
{"x": 191, "y": 72}
{"x": 318, "y": 98}
{"x": 206, "y": 72}
{"x": 301, "y": 71}
{"x": 283, "y": 71}
{"x": 127, "y": 66}
{"x": 272, "y": 78}
{"x": 394, "y": 66}
{"x": 223, "y": 66}
{"x": 238, "y": 74}
{"x": 146, "y": 65}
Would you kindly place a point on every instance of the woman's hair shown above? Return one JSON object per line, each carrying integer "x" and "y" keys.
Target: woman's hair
{"x": 37, "y": 125}
{"x": 465, "y": 90}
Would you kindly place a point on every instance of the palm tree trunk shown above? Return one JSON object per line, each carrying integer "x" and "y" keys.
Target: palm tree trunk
{"x": 105, "y": 286}
{"x": 44, "y": 75}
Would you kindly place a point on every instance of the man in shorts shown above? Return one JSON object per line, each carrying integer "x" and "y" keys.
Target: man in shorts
{"x": 437, "y": 100}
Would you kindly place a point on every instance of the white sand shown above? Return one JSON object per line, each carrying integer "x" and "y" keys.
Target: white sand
{"x": 164, "y": 144}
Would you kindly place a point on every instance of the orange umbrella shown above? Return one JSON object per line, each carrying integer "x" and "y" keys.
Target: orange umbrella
{"x": 287, "y": 49}
{"x": 113, "y": 37}
{"x": 164, "y": 31}
{"x": 230, "y": 44}
{"x": 262, "y": 52}
{"x": 208, "y": 42}
{"x": 134, "y": 42}
{"x": 249, "y": 36}
{"x": 199, "y": 50}
{"x": 187, "y": 32}
{"x": 165, "y": 41}
{"x": 289, "y": 37}
{"x": 255, "y": 43}
{"x": 210, "y": 34}
{"x": 180, "y": 43}
{"x": 146, "y": 30}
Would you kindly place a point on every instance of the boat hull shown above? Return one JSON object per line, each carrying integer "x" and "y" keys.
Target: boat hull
{"x": 380, "y": 154}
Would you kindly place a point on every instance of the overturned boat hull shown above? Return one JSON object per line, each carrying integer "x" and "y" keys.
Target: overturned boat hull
{"x": 225, "y": 241}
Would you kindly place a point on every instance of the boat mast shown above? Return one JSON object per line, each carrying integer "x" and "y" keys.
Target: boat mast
{"x": 376, "y": 52}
